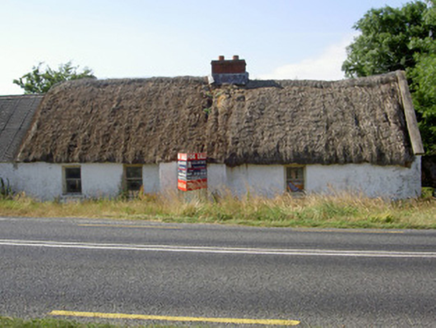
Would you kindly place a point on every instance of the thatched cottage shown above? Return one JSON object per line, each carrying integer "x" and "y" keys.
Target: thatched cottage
{"x": 94, "y": 138}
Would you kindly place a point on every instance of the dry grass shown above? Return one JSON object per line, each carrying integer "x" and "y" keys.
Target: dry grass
{"x": 335, "y": 211}
{"x": 8, "y": 322}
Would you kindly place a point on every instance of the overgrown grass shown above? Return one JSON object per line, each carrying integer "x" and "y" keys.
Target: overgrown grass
{"x": 7, "y": 322}
{"x": 334, "y": 211}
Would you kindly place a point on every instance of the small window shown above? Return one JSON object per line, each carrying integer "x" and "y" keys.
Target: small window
{"x": 73, "y": 180}
{"x": 133, "y": 176}
{"x": 295, "y": 179}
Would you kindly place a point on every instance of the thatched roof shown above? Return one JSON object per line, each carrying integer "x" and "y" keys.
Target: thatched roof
{"x": 264, "y": 122}
{"x": 16, "y": 113}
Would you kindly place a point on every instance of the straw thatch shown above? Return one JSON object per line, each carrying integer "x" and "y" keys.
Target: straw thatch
{"x": 264, "y": 122}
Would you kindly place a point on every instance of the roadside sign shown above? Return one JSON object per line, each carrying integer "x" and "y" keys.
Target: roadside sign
{"x": 191, "y": 156}
{"x": 192, "y": 185}
{"x": 192, "y": 171}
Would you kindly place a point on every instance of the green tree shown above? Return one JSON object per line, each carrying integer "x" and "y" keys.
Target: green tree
{"x": 40, "y": 81}
{"x": 423, "y": 77}
{"x": 401, "y": 39}
{"x": 384, "y": 43}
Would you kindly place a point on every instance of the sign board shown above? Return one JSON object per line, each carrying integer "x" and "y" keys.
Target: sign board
{"x": 192, "y": 171}
{"x": 192, "y": 156}
{"x": 192, "y": 185}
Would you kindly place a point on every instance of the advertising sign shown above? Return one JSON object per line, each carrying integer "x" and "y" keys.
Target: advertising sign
{"x": 191, "y": 156}
{"x": 192, "y": 171}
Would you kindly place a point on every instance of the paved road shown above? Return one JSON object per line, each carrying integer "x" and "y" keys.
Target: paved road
{"x": 320, "y": 278}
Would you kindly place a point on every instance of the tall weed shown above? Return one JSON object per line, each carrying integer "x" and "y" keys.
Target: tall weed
{"x": 333, "y": 211}
{"x": 5, "y": 189}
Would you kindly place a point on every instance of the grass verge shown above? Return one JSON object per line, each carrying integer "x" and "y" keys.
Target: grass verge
{"x": 8, "y": 322}
{"x": 334, "y": 211}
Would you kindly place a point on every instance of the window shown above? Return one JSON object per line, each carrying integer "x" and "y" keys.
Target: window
{"x": 295, "y": 179}
{"x": 73, "y": 180}
{"x": 133, "y": 178}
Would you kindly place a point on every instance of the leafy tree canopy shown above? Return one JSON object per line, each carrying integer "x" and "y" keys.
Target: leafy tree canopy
{"x": 423, "y": 77}
{"x": 40, "y": 80}
{"x": 401, "y": 39}
{"x": 385, "y": 43}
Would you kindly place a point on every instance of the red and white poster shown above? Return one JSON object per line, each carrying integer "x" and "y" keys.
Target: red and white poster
{"x": 192, "y": 171}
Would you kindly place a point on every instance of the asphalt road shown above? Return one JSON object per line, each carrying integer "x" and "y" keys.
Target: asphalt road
{"x": 320, "y": 278}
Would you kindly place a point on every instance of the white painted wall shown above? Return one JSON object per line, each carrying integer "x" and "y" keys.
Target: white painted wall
{"x": 217, "y": 177}
{"x": 39, "y": 180}
{"x": 262, "y": 180}
{"x": 168, "y": 177}
{"x": 395, "y": 182}
{"x": 374, "y": 181}
{"x": 44, "y": 181}
{"x": 101, "y": 180}
{"x": 150, "y": 177}
{"x": 105, "y": 180}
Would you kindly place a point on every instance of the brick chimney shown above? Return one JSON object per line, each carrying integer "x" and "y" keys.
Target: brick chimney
{"x": 228, "y": 71}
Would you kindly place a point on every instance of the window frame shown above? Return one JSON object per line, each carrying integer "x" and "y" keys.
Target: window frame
{"x": 126, "y": 178}
{"x": 66, "y": 190}
{"x": 299, "y": 180}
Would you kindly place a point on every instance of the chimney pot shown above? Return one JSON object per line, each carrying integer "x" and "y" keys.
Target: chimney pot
{"x": 221, "y": 58}
{"x": 235, "y": 57}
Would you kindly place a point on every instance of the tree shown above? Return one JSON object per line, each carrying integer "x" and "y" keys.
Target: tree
{"x": 401, "y": 39}
{"x": 424, "y": 99}
{"x": 423, "y": 77}
{"x": 384, "y": 44}
{"x": 38, "y": 81}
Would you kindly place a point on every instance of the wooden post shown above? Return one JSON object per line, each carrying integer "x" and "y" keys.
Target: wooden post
{"x": 409, "y": 112}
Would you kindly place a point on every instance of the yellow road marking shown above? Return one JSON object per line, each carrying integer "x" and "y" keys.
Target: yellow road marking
{"x": 126, "y": 226}
{"x": 274, "y": 322}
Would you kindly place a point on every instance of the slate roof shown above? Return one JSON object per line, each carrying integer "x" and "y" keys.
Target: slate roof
{"x": 16, "y": 113}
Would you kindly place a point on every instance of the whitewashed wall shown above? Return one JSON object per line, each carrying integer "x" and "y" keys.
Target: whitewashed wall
{"x": 262, "y": 180}
{"x": 39, "y": 180}
{"x": 268, "y": 180}
{"x": 44, "y": 181}
{"x": 106, "y": 180}
{"x": 101, "y": 180}
{"x": 168, "y": 177}
{"x": 217, "y": 177}
{"x": 373, "y": 181}
{"x": 150, "y": 177}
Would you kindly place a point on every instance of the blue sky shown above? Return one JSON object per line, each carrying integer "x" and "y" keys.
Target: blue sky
{"x": 282, "y": 39}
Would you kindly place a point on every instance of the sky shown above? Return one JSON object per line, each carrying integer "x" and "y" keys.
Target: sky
{"x": 279, "y": 39}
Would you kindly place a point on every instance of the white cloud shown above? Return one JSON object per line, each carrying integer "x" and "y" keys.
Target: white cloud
{"x": 327, "y": 66}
